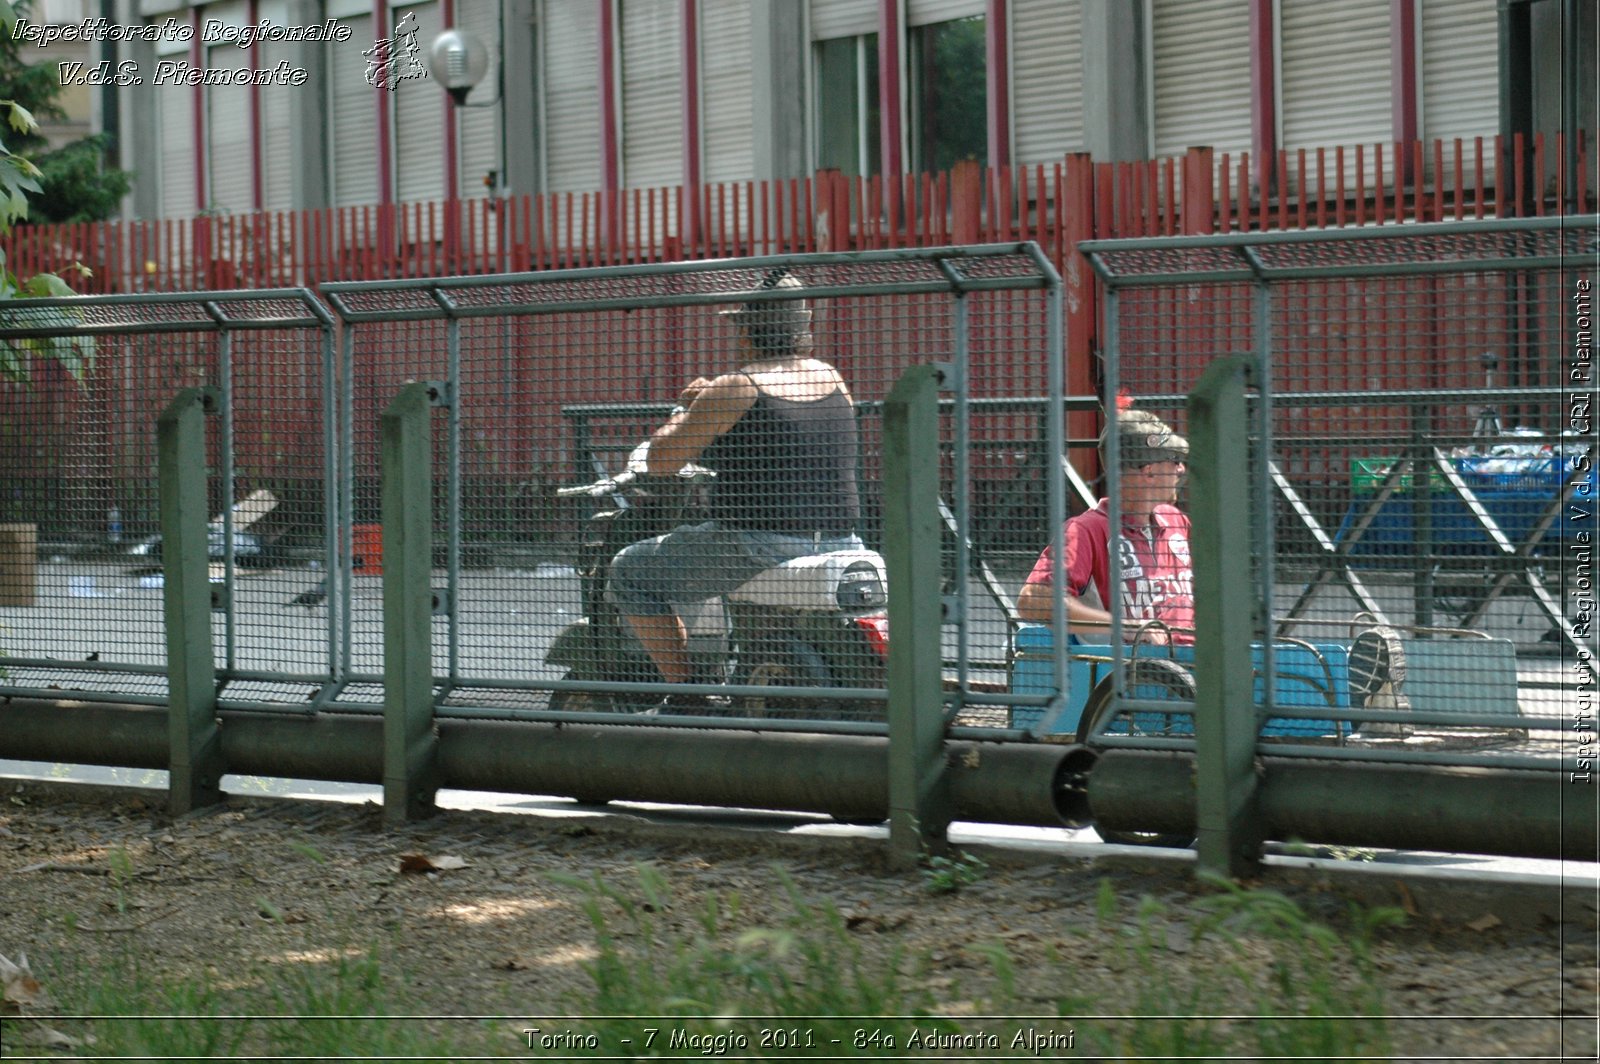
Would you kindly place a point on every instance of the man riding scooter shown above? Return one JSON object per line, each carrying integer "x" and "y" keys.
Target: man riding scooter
{"x": 780, "y": 433}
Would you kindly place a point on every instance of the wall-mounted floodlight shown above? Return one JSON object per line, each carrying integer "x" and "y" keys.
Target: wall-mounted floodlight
{"x": 458, "y": 59}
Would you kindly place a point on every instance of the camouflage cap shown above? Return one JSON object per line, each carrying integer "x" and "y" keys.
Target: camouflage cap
{"x": 1143, "y": 438}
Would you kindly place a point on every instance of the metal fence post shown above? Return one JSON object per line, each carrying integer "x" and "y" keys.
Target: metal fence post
{"x": 409, "y": 738}
{"x": 1227, "y": 807}
{"x": 919, "y": 807}
{"x": 194, "y": 759}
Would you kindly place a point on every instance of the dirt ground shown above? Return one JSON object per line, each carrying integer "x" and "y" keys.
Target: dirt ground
{"x": 478, "y": 916}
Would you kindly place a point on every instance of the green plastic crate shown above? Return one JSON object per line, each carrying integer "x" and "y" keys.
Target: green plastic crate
{"x": 1367, "y": 476}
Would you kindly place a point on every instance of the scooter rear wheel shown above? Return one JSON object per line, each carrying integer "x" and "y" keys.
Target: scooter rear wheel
{"x": 791, "y": 665}
{"x": 587, "y": 702}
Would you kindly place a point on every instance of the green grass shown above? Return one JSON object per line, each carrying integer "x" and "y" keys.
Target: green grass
{"x": 1282, "y": 985}
{"x": 361, "y": 1003}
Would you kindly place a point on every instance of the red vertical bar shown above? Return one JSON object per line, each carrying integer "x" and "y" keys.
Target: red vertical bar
{"x": 1077, "y": 208}
{"x": 795, "y": 230}
{"x": 858, "y": 213}
{"x": 1224, "y": 194}
{"x": 610, "y": 166}
{"x": 1058, "y": 247}
{"x": 1322, "y": 188}
{"x": 1460, "y": 191}
{"x": 571, "y": 198}
{"x": 1377, "y": 183}
{"x": 1119, "y": 199}
{"x": 1263, "y": 91}
{"x": 1361, "y": 185}
{"x": 198, "y": 102}
{"x": 1300, "y": 184}
{"x": 997, "y": 81}
{"x": 690, "y": 65}
{"x": 749, "y": 243}
{"x": 889, "y": 35}
{"x": 1536, "y": 179}
{"x": 722, "y": 221}
{"x": 1103, "y": 200}
{"x": 1043, "y": 233}
{"x": 1519, "y": 176}
{"x": 1438, "y": 179}
{"x": 1283, "y": 189}
{"x": 1403, "y": 81}
{"x": 1478, "y": 178}
{"x": 1500, "y": 178}
{"x": 591, "y": 243}
{"x": 1007, "y": 199}
{"x": 1581, "y": 193}
{"x": 543, "y": 237}
{"x": 1561, "y": 172}
{"x": 380, "y": 92}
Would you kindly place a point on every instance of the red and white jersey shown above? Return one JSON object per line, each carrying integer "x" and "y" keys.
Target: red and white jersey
{"x": 1157, "y": 576}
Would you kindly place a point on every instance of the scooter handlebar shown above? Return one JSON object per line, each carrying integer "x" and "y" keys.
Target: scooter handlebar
{"x": 604, "y": 486}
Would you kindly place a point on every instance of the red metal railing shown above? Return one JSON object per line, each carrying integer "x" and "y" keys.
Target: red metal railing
{"x": 1056, "y": 204}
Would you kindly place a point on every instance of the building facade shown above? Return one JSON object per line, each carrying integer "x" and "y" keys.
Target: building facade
{"x": 586, "y": 95}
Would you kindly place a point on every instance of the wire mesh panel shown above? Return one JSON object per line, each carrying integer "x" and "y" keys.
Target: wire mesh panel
{"x": 733, "y": 568}
{"x": 1422, "y": 468}
{"x": 82, "y": 597}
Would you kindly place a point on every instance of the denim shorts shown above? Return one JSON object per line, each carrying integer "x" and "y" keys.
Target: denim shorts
{"x": 658, "y": 576}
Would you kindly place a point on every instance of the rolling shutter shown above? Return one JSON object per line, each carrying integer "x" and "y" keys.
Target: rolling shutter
{"x": 1334, "y": 86}
{"x": 1046, "y": 78}
{"x": 277, "y": 144}
{"x": 418, "y": 108}
{"x": 229, "y": 158}
{"x": 571, "y": 96}
{"x": 352, "y": 129}
{"x": 726, "y": 130}
{"x": 1460, "y": 69}
{"x": 924, "y": 12}
{"x": 175, "y": 113}
{"x": 1201, "y": 60}
{"x": 843, "y": 18}
{"x": 478, "y": 127}
{"x": 652, "y": 94}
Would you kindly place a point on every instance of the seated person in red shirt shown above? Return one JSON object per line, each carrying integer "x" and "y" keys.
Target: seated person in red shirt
{"x": 1157, "y": 579}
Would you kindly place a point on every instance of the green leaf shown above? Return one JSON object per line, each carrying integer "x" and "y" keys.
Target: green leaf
{"x": 47, "y": 284}
{"x": 21, "y": 119}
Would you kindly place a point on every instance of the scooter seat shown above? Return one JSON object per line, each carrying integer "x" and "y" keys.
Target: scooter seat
{"x": 838, "y": 580}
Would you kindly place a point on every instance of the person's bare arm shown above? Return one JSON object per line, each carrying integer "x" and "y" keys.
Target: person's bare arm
{"x": 1034, "y": 606}
{"x": 711, "y": 408}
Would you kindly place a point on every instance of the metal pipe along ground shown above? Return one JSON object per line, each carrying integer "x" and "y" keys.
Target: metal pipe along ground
{"x": 840, "y": 775}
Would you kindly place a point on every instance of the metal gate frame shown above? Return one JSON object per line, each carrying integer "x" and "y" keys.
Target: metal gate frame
{"x": 223, "y": 315}
{"x": 1261, "y": 260}
{"x": 952, "y": 271}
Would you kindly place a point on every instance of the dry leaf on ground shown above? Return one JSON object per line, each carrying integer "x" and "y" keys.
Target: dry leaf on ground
{"x": 18, "y": 988}
{"x": 417, "y": 863}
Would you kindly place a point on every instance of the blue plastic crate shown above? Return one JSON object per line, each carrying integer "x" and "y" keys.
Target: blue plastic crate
{"x": 1533, "y": 473}
{"x": 1457, "y": 530}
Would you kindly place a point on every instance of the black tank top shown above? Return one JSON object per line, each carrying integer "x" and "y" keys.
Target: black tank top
{"x": 788, "y": 466}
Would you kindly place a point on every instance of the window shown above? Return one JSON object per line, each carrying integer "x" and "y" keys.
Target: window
{"x": 949, "y": 94}
{"x": 847, "y": 104}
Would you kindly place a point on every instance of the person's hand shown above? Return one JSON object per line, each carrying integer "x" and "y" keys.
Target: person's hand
{"x": 692, "y": 391}
{"x": 1155, "y": 635}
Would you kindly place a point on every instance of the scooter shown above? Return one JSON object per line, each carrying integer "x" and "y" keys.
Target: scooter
{"x": 815, "y": 621}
